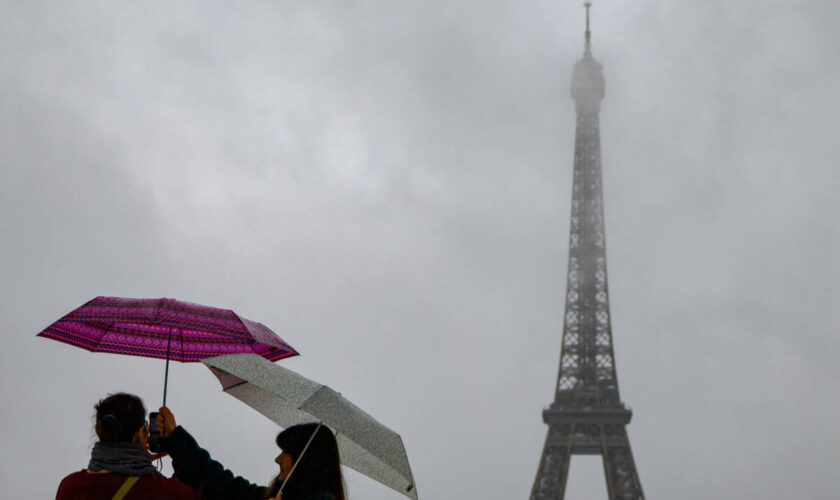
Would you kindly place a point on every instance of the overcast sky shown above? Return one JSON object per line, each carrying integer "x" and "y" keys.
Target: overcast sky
{"x": 387, "y": 186}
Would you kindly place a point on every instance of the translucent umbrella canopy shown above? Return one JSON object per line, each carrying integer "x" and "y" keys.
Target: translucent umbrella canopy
{"x": 288, "y": 398}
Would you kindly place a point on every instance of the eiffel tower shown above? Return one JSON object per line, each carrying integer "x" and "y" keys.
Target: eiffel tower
{"x": 587, "y": 416}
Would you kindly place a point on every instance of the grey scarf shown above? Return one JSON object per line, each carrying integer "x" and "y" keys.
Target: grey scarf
{"x": 122, "y": 458}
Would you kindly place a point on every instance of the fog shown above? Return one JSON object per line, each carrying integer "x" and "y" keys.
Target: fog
{"x": 387, "y": 186}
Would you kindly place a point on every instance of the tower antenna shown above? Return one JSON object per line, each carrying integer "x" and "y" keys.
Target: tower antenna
{"x": 588, "y": 34}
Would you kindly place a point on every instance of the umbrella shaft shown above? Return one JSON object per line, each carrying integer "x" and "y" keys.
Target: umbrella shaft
{"x": 166, "y": 372}
{"x": 294, "y": 466}
{"x": 165, "y": 380}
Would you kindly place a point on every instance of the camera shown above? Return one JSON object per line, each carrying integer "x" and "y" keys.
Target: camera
{"x": 154, "y": 435}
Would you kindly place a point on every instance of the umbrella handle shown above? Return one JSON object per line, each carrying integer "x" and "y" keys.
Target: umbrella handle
{"x": 294, "y": 466}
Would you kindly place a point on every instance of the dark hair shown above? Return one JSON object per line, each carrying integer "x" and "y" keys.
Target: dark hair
{"x": 118, "y": 417}
{"x": 319, "y": 469}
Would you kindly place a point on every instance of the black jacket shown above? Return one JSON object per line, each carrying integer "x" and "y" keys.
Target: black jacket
{"x": 194, "y": 467}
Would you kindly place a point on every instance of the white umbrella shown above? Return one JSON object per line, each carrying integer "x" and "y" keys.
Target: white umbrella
{"x": 288, "y": 398}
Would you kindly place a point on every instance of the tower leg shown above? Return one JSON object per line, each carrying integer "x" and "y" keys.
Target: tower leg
{"x": 620, "y": 470}
{"x": 565, "y": 440}
{"x": 550, "y": 483}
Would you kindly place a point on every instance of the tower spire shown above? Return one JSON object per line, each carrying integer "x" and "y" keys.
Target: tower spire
{"x": 588, "y": 35}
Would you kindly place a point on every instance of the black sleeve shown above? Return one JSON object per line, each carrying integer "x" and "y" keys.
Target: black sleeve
{"x": 194, "y": 467}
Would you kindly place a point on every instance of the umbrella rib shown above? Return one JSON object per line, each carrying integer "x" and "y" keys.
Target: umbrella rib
{"x": 235, "y": 385}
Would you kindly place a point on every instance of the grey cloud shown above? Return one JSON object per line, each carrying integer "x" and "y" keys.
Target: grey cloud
{"x": 387, "y": 186}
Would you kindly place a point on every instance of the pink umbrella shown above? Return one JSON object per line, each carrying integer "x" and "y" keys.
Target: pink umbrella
{"x": 165, "y": 328}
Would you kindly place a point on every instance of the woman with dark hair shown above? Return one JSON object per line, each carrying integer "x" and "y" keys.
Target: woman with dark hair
{"x": 316, "y": 476}
{"x": 120, "y": 464}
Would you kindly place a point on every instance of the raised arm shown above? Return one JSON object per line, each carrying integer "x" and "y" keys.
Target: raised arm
{"x": 194, "y": 466}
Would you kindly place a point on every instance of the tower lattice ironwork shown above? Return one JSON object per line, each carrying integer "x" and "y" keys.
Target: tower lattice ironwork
{"x": 587, "y": 415}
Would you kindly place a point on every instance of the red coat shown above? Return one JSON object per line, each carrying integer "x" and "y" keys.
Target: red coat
{"x": 83, "y": 485}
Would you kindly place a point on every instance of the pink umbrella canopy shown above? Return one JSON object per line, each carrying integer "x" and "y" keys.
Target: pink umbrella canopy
{"x": 165, "y": 328}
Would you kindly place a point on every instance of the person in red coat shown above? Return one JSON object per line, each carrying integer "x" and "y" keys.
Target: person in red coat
{"x": 120, "y": 464}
